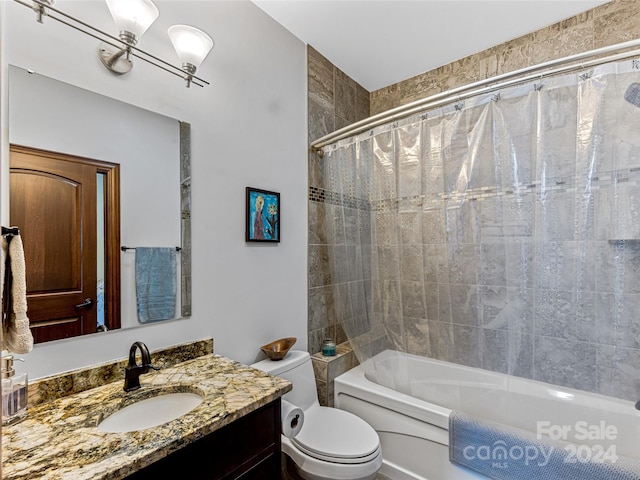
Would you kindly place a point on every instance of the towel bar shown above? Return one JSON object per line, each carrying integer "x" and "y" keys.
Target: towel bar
{"x": 124, "y": 249}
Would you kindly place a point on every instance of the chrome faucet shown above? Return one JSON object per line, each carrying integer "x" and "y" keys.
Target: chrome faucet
{"x": 133, "y": 370}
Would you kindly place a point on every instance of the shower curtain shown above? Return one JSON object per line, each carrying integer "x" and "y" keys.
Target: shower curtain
{"x": 501, "y": 232}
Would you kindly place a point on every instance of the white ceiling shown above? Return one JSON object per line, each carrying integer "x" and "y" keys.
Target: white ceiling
{"x": 381, "y": 42}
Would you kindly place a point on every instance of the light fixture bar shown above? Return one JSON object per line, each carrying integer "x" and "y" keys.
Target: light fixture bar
{"x": 114, "y": 41}
{"x": 118, "y": 45}
{"x": 171, "y": 71}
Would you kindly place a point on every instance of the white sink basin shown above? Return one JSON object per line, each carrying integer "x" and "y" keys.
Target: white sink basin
{"x": 150, "y": 412}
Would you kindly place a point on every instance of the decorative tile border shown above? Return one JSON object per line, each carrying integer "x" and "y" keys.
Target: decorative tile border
{"x": 321, "y": 195}
{"x": 628, "y": 176}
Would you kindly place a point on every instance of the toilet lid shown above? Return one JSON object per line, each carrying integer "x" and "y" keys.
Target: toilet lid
{"x": 336, "y": 435}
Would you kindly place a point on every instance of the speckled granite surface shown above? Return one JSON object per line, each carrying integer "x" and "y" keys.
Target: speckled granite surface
{"x": 59, "y": 438}
{"x": 69, "y": 383}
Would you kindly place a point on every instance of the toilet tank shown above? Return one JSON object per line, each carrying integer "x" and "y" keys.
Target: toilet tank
{"x": 295, "y": 367}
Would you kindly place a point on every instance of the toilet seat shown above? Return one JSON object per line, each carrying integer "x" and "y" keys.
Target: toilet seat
{"x": 337, "y": 436}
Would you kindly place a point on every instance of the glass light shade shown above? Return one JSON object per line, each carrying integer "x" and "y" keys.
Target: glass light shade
{"x": 134, "y": 16}
{"x": 192, "y": 45}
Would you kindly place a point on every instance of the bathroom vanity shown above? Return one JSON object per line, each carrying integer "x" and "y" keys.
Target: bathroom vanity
{"x": 246, "y": 449}
{"x": 233, "y": 434}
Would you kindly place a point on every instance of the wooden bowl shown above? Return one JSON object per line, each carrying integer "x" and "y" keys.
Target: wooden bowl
{"x": 278, "y": 349}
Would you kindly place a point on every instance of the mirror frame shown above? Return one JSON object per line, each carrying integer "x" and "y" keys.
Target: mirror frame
{"x": 185, "y": 221}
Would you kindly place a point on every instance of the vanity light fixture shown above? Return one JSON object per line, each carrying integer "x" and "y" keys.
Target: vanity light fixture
{"x": 40, "y": 9}
{"x": 191, "y": 45}
{"x": 133, "y": 18}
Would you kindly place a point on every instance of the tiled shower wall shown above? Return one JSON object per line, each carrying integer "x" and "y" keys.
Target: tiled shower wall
{"x": 608, "y": 24}
{"x": 330, "y": 108}
{"x": 335, "y": 101}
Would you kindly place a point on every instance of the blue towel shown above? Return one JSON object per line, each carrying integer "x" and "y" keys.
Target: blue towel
{"x": 155, "y": 283}
{"x": 502, "y": 452}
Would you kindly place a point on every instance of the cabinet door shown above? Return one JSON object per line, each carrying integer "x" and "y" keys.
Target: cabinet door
{"x": 267, "y": 469}
{"x": 247, "y": 449}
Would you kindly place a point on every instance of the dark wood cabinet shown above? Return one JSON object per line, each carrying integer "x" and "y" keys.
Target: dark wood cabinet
{"x": 247, "y": 449}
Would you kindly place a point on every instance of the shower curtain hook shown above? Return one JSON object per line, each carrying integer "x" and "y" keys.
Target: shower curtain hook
{"x": 582, "y": 69}
{"x": 538, "y": 86}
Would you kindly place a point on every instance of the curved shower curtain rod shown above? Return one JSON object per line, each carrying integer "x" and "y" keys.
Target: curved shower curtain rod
{"x": 480, "y": 87}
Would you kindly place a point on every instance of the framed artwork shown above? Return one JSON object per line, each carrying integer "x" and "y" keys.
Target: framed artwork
{"x": 263, "y": 216}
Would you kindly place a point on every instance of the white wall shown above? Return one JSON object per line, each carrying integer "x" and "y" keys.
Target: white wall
{"x": 248, "y": 129}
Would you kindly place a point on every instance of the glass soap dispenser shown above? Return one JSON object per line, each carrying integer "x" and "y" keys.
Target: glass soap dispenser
{"x": 14, "y": 392}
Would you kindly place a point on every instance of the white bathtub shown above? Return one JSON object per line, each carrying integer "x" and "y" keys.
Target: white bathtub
{"x": 408, "y": 399}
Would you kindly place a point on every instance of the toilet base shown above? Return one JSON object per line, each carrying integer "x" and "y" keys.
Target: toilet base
{"x": 289, "y": 471}
{"x": 298, "y": 466}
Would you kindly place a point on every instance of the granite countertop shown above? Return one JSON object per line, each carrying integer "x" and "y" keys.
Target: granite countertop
{"x": 59, "y": 439}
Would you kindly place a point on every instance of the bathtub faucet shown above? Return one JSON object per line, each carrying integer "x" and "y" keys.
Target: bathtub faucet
{"x": 638, "y": 405}
{"x": 133, "y": 370}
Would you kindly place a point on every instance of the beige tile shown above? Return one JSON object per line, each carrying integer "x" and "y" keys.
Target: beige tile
{"x": 316, "y": 170}
{"x": 345, "y": 97}
{"x": 557, "y": 29}
{"x": 566, "y": 42}
{"x": 461, "y": 72}
{"x": 384, "y": 99}
{"x": 341, "y": 365}
{"x": 320, "y": 71}
{"x": 321, "y": 118}
{"x": 342, "y": 122}
{"x": 322, "y": 393}
{"x": 362, "y": 106}
{"x": 330, "y": 391}
{"x": 488, "y": 65}
{"x": 317, "y": 336}
{"x": 319, "y": 274}
{"x": 341, "y": 335}
{"x": 322, "y": 310}
{"x": 360, "y": 90}
{"x": 614, "y": 6}
{"x": 617, "y": 25}
{"x": 319, "y": 368}
{"x": 321, "y": 81}
{"x": 513, "y": 59}
{"x": 317, "y": 223}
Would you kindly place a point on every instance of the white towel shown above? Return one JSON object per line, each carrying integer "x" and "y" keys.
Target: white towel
{"x": 16, "y": 336}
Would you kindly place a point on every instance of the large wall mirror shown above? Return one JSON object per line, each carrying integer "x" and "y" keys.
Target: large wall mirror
{"x": 138, "y": 165}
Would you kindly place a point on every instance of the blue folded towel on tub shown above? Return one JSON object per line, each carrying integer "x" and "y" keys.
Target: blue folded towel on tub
{"x": 502, "y": 452}
{"x": 155, "y": 283}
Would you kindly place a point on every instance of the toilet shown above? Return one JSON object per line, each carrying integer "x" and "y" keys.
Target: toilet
{"x": 332, "y": 444}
